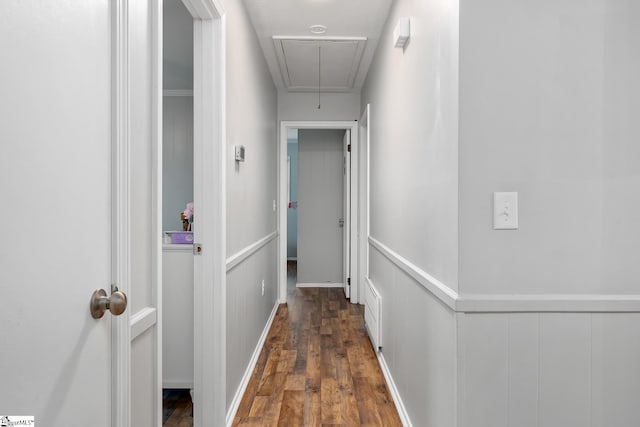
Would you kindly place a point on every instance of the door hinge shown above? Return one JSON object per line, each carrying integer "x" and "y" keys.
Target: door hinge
{"x": 348, "y": 281}
{"x": 348, "y": 148}
{"x": 197, "y": 249}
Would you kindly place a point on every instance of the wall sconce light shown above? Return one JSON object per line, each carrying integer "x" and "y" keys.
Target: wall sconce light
{"x": 401, "y": 33}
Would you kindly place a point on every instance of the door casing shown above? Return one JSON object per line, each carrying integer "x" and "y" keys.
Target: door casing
{"x": 209, "y": 182}
{"x": 352, "y": 126}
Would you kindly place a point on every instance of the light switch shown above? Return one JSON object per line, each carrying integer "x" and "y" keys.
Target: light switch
{"x": 505, "y": 211}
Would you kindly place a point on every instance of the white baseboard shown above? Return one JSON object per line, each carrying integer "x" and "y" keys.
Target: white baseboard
{"x": 397, "y": 400}
{"x": 235, "y": 403}
{"x": 320, "y": 285}
{"x": 177, "y": 384}
{"x": 292, "y": 259}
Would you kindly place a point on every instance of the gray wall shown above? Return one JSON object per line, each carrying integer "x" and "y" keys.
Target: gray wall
{"x": 414, "y": 201}
{"x": 304, "y": 106}
{"x": 251, "y": 189}
{"x": 177, "y": 159}
{"x": 548, "y": 96}
{"x": 177, "y": 49}
{"x": 177, "y": 120}
{"x": 549, "y": 107}
{"x": 292, "y": 212}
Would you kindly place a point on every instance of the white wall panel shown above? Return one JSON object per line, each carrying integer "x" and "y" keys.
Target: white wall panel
{"x": 487, "y": 370}
{"x": 418, "y": 333}
{"x": 615, "y": 373}
{"x": 248, "y": 310}
{"x": 523, "y": 350}
{"x": 550, "y": 369}
{"x": 251, "y": 189}
{"x": 565, "y": 368}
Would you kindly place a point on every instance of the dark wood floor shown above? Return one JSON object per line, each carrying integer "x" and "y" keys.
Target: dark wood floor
{"x": 177, "y": 410}
{"x": 317, "y": 367}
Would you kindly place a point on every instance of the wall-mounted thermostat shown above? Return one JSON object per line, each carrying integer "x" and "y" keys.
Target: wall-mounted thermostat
{"x": 239, "y": 153}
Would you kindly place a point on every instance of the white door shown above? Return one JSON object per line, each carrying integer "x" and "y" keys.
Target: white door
{"x": 320, "y": 207}
{"x": 346, "y": 241}
{"x": 65, "y": 192}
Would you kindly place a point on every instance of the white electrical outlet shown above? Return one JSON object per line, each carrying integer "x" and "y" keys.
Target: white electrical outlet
{"x": 505, "y": 211}
{"x": 262, "y": 287}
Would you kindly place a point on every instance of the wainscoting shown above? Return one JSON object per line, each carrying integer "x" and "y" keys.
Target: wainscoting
{"x": 505, "y": 360}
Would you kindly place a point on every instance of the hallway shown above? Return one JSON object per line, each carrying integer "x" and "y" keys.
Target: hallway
{"x": 317, "y": 367}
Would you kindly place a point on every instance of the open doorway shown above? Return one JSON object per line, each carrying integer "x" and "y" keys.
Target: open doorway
{"x": 318, "y": 206}
{"x": 177, "y": 215}
{"x": 196, "y": 114}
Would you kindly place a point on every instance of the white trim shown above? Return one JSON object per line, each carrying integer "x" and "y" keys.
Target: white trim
{"x": 430, "y": 283}
{"x": 121, "y": 232}
{"x": 177, "y": 384}
{"x": 239, "y": 257}
{"x": 393, "y": 389}
{"x": 157, "y": 103}
{"x": 579, "y": 303}
{"x": 175, "y": 247}
{"x": 209, "y": 100}
{"x": 363, "y": 204}
{"x": 177, "y": 92}
{"x": 237, "y": 398}
{"x": 204, "y": 9}
{"x": 501, "y": 303}
{"x": 320, "y": 285}
{"x": 283, "y": 197}
{"x": 460, "y": 373}
{"x": 142, "y": 320}
{"x": 293, "y": 258}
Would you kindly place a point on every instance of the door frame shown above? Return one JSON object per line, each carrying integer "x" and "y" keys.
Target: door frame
{"x": 209, "y": 186}
{"x": 364, "y": 146}
{"x": 129, "y": 326}
{"x": 283, "y": 200}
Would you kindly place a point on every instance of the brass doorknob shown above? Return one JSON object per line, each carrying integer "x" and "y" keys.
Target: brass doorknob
{"x": 100, "y": 302}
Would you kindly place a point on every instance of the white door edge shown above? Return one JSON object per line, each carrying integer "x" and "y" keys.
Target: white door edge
{"x": 352, "y": 126}
{"x": 209, "y": 369}
{"x": 121, "y": 245}
{"x": 126, "y": 326}
{"x": 363, "y": 203}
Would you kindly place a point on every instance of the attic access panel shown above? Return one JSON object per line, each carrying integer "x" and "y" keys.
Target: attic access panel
{"x": 339, "y": 62}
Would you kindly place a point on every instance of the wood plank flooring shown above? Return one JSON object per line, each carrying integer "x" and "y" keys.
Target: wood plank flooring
{"x": 177, "y": 410}
{"x": 317, "y": 368}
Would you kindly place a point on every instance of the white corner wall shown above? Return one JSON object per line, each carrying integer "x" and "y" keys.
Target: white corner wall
{"x": 549, "y": 101}
{"x": 542, "y": 322}
{"x": 549, "y": 93}
{"x": 251, "y": 189}
{"x": 414, "y": 204}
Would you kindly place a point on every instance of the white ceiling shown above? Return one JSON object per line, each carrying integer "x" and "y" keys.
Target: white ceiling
{"x": 293, "y": 62}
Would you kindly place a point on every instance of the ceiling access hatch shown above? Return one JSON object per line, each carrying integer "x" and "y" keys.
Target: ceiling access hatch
{"x": 339, "y": 59}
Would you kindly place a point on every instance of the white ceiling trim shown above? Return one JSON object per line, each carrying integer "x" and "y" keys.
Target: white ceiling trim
{"x": 299, "y": 71}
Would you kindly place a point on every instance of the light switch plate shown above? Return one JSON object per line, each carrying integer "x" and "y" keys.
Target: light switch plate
{"x": 505, "y": 211}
